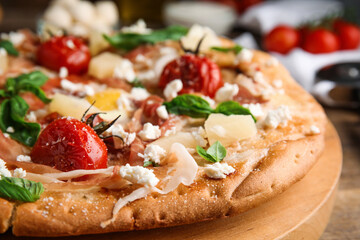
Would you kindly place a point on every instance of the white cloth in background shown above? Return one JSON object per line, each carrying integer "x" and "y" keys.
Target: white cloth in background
{"x": 301, "y": 64}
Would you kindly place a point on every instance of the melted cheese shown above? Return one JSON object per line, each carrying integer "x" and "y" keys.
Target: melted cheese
{"x": 79, "y": 173}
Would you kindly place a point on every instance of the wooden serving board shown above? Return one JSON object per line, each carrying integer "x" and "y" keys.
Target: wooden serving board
{"x": 301, "y": 212}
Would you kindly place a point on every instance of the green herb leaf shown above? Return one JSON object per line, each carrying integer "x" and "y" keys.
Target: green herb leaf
{"x": 128, "y": 41}
{"x": 149, "y": 163}
{"x": 9, "y": 47}
{"x": 20, "y": 189}
{"x": 196, "y": 107}
{"x": 14, "y": 108}
{"x": 137, "y": 84}
{"x": 215, "y": 153}
{"x": 190, "y": 105}
{"x": 236, "y": 49}
{"x": 232, "y": 108}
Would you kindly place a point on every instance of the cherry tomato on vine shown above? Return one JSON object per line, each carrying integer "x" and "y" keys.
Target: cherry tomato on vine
{"x": 282, "y": 39}
{"x": 64, "y": 51}
{"x": 198, "y": 74}
{"x": 349, "y": 34}
{"x": 321, "y": 41}
{"x": 69, "y": 144}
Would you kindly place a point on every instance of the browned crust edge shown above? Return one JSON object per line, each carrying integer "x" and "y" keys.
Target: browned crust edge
{"x": 6, "y": 209}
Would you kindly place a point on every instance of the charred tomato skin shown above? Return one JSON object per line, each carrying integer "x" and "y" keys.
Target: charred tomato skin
{"x": 69, "y": 144}
{"x": 198, "y": 74}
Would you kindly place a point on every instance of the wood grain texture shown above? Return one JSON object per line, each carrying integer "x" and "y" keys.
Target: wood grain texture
{"x": 301, "y": 212}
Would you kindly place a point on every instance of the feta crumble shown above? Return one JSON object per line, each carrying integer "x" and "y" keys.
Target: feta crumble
{"x": 279, "y": 116}
{"x": 117, "y": 129}
{"x": 77, "y": 87}
{"x": 150, "y": 132}
{"x": 209, "y": 100}
{"x": 139, "y": 27}
{"x": 172, "y": 88}
{"x": 125, "y": 70}
{"x": 255, "y": 109}
{"x": 162, "y": 112}
{"x": 63, "y": 72}
{"x": 227, "y": 92}
{"x": 123, "y": 102}
{"x": 70, "y": 44}
{"x": 23, "y": 158}
{"x": 10, "y": 130}
{"x": 138, "y": 174}
{"x": 272, "y": 62}
{"x": 277, "y": 83}
{"x": 19, "y": 173}
{"x": 16, "y": 38}
{"x": 139, "y": 93}
{"x": 200, "y": 136}
{"x": 245, "y": 55}
{"x": 314, "y": 130}
{"x": 3, "y": 169}
{"x": 218, "y": 170}
{"x": 153, "y": 153}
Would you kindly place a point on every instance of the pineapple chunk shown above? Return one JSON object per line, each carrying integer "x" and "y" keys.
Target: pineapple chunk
{"x": 70, "y": 106}
{"x": 105, "y": 100}
{"x": 4, "y": 61}
{"x": 184, "y": 138}
{"x": 229, "y": 129}
{"x": 103, "y": 65}
{"x": 97, "y": 43}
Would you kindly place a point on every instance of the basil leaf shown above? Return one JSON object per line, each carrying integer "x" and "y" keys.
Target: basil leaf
{"x": 14, "y": 108}
{"x": 236, "y": 49}
{"x": 128, "y": 41}
{"x": 20, "y": 189}
{"x": 149, "y": 163}
{"x": 232, "y": 108}
{"x": 137, "y": 84}
{"x": 215, "y": 153}
{"x": 190, "y": 105}
{"x": 9, "y": 47}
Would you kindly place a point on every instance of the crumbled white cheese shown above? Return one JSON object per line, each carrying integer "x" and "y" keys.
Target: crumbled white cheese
{"x": 200, "y": 136}
{"x": 172, "y": 88}
{"x": 139, "y": 93}
{"x": 150, "y": 132}
{"x": 162, "y": 62}
{"x": 58, "y": 16}
{"x": 10, "y": 130}
{"x": 279, "y": 116}
{"x": 3, "y": 169}
{"x": 153, "y": 153}
{"x": 259, "y": 77}
{"x": 107, "y": 11}
{"x": 23, "y": 158}
{"x": 139, "y": 27}
{"x": 117, "y": 129}
{"x": 272, "y": 62}
{"x": 83, "y": 12}
{"x": 31, "y": 117}
{"x": 209, "y": 100}
{"x": 196, "y": 33}
{"x": 124, "y": 102}
{"x": 142, "y": 59}
{"x": 63, "y": 73}
{"x": 6, "y": 135}
{"x": 170, "y": 131}
{"x": 245, "y": 55}
{"x": 255, "y": 109}
{"x": 77, "y": 87}
{"x": 138, "y": 174}
{"x": 227, "y": 92}
{"x": 162, "y": 112}
{"x": 314, "y": 130}
{"x": 125, "y": 70}
{"x": 70, "y": 44}
{"x": 277, "y": 83}
{"x": 147, "y": 76}
{"x": 218, "y": 170}
{"x": 19, "y": 173}
{"x": 16, "y": 38}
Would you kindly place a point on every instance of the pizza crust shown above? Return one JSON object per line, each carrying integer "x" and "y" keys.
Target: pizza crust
{"x": 6, "y": 209}
{"x": 287, "y": 161}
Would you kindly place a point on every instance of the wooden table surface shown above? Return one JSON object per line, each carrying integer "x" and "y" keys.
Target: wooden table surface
{"x": 345, "y": 220}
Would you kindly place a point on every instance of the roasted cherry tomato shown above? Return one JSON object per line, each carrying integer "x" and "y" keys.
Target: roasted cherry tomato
{"x": 282, "y": 39}
{"x": 198, "y": 74}
{"x": 65, "y": 51}
{"x": 320, "y": 41}
{"x": 68, "y": 144}
{"x": 349, "y": 34}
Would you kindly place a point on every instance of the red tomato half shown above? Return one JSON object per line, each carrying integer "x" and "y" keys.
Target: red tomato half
{"x": 64, "y": 51}
{"x": 198, "y": 74}
{"x": 282, "y": 39}
{"x": 349, "y": 34}
{"x": 321, "y": 41}
{"x": 68, "y": 144}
